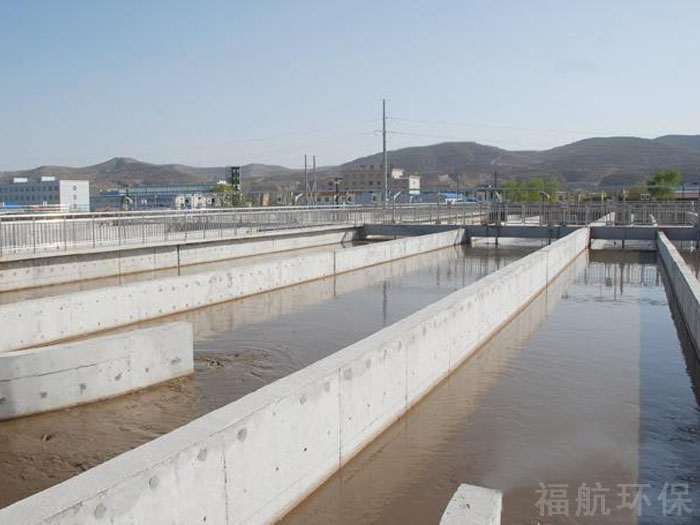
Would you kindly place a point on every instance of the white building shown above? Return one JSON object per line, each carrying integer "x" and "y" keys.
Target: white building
{"x": 367, "y": 182}
{"x": 197, "y": 201}
{"x": 69, "y": 195}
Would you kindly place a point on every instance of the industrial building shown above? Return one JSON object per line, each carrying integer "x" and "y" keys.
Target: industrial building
{"x": 154, "y": 197}
{"x": 366, "y": 183}
{"x": 66, "y": 195}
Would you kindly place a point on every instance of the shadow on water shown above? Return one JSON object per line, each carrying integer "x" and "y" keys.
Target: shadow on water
{"x": 669, "y": 429}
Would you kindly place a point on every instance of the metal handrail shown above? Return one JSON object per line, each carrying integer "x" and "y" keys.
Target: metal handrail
{"x": 50, "y": 232}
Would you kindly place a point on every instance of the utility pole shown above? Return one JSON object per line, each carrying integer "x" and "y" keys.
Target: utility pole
{"x": 313, "y": 188}
{"x": 336, "y": 182}
{"x": 306, "y": 183}
{"x": 495, "y": 185}
{"x": 386, "y": 167}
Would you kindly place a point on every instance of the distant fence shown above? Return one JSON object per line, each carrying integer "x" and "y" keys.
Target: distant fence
{"x": 31, "y": 233}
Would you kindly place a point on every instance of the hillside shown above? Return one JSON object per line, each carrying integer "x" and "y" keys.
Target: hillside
{"x": 124, "y": 171}
{"x": 605, "y": 161}
{"x": 595, "y": 162}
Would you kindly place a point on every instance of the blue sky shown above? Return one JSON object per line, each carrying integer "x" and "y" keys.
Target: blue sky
{"x": 232, "y": 82}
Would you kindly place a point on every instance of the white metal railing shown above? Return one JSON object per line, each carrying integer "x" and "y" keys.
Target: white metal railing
{"x": 63, "y": 232}
{"x": 34, "y": 233}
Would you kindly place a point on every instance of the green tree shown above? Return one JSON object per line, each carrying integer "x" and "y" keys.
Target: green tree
{"x": 224, "y": 190}
{"x": 663, "y": 185}
{"x": 551, "y": 187}
{"x": 636, "y": 190}
{"x": 533, "y": 189}
{"x": 512, "y": 191}
{"x": 221, "y": 187}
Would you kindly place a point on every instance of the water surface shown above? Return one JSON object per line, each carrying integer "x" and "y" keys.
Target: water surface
{"x": 240, "y": 346}
{"x": 591, "y": 384}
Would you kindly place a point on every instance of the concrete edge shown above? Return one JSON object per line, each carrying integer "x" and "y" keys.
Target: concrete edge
{"x": 684, "y": 285}
{"x": 60, "y": 376}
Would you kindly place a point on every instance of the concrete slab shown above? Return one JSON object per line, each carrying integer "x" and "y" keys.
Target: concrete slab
{"x": 472, "y": 505}
{"x": 69, "y": 374}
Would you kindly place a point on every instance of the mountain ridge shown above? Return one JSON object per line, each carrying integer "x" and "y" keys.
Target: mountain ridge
{"x": 591, "y": 162}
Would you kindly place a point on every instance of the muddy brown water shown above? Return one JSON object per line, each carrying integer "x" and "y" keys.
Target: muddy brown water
{"x": 239, "y": 346}
{"x": 594, "y": 382}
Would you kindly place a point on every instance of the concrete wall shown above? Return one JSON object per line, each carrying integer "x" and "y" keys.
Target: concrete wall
{"x": 60, "y": 376}
{"x": 45, "y": 320}
{"x": 221, "y": 317}
{"x": 361, "y": 256}
{"x": 685, "y": 287}
{"x": 254, "y": 459}
{"x": 51, "y": 269}
{"x": 472, "y": 505}
{"x": 454, "y": 398}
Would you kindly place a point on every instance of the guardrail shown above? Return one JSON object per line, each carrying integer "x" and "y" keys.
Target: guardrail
{"x": 45, "y": 233}
{"x": 61, "y": 232}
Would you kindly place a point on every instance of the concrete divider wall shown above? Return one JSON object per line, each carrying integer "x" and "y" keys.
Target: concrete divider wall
{"x": 201, "y": 253}
{"x": 360, "y": 256}
{"x": 45, "y": 320}
{"x": 58, "y": 268}
{"x": 60, "y": 376}
{"x": 252, "y": 460}
{"x": 454, "y": 395}
{"x": 40, "y": 321}
{"x": 684, "y": 284}
{"x": 218, "y": 318}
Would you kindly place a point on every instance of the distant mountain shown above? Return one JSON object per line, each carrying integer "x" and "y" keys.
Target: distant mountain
{"x": 684, "y": 141}
{"x": 124, "y": 171}
{"x": 596, "y": 162}
{"x": 606, "y": 161}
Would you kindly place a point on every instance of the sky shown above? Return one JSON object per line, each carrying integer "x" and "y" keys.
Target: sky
{"x": 214, "y": 83}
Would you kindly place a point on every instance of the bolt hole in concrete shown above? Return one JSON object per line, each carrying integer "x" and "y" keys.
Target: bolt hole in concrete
{"x": 594, "y": 382}
{"x": 240, "y": 346}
